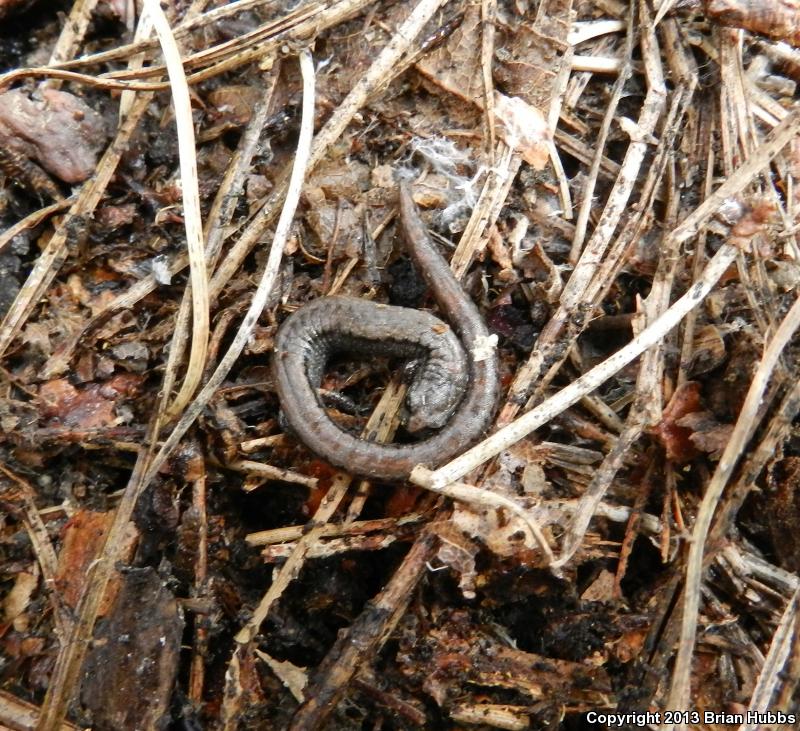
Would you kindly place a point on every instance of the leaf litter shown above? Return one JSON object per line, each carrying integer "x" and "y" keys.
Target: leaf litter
{"x": 617, "y": 189}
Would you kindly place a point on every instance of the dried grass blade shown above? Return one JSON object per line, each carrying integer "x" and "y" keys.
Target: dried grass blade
{"x": 191, "y": 205}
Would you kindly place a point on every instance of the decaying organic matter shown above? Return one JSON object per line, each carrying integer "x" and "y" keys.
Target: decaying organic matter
{"x": 614, "y": 186}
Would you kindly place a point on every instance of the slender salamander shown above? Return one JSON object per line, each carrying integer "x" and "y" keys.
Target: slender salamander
{"x": 452, "y": 390}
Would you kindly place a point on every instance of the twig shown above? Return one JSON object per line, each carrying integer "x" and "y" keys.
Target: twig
{"x": 586, "y": 30}
{"x": 333, "y": 546}
{"x": 73, "y": 30}
{"x": 687, "y": 346}
{"x": 776, "y": 658}
{"x": 488, "y": 17}
{"x": 598, "y": 64}
{"x": 200, "y": 631}
{"x": 369, "y": 631}
{"x": 19, "y": 715}
{"x": 778, "y": 430}
{"x": 251, "y": 467}
{"x": 97, "y": 82}
{"x": 380, "y": 427}
{"x": 587, "y": 198}
{"x": 647, "y": 403}
{"x": 331, "y": 530}
{"x": 297, "y": 26}
{"x": 295, "y": 562}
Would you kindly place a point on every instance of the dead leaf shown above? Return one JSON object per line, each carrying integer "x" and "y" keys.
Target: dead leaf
{"x": 707, "y": 434}
{"x": 19, "y": 597}
{"x": 526, "y": 129}
{"x": 93, "y": 406}
{"x": 673, "y": 437}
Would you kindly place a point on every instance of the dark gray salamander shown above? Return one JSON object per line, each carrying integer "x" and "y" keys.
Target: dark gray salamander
{"x": 451, "y": 389}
